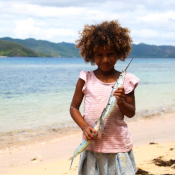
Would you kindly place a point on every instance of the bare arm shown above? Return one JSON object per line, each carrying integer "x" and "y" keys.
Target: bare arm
{"x": 126, "y": 102}
{"x": 75, "y": 113}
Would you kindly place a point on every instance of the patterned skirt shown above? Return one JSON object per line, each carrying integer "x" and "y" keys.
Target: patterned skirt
{"x": 93, "y": 163}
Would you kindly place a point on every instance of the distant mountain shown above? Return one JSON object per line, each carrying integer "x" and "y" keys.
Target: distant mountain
{"x": 12, "y": 49}
{"x": 46, "y": 48}
{"x": 144, "y": 51}
{"x": 49, "y": 49}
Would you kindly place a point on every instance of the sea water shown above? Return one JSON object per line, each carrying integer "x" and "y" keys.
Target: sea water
{"x": 35, "y": 93}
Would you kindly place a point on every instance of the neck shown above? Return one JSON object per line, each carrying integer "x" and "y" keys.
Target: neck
{"x": 108, "y": 73}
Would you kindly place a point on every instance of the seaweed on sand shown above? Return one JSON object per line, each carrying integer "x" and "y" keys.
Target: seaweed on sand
{"x": 159, "y": 162}
{"x": 141, "y": 172}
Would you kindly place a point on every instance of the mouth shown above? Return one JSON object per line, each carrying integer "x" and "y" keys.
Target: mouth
{"x": 105, "y": 65}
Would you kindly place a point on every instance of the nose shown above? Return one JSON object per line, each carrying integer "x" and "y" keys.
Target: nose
{"x": 105, "y": 59}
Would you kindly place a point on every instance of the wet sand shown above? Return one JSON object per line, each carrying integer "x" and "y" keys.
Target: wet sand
{"x": 154, "y": 138}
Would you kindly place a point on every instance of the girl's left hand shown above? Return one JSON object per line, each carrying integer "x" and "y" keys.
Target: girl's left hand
{"x": 120, "y": 95}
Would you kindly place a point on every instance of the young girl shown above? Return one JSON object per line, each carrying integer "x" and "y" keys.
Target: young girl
{"x": 110, "y": 153}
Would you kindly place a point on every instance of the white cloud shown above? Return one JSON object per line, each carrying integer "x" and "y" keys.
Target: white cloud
{"x": 151, "y": 21}
{"x": 28, "y": 29}
{"x": 161, "y": 17}
{"x": 60, "y": 34}
{"x": 60, "y": 3}
{"x": 25, "y": 28}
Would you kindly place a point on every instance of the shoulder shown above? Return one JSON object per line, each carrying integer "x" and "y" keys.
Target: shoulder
{"x": 130, "y": 76}
{"x": 130, "y": 83}
{"x": 84, "y": 74}
{"x": 84, "y": 78}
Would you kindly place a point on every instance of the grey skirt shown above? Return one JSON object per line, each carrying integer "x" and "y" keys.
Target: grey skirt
{"x": 93, "y": 163}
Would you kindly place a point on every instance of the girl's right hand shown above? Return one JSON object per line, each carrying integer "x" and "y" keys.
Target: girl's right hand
{"x": 89, "y": 133}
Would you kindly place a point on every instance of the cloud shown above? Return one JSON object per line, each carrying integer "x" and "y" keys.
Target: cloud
{"x": 29, "y": 29}
{"x": 25, "y": 28}
{"x": 60, "y": 3}
{"x": 151, "y": 21}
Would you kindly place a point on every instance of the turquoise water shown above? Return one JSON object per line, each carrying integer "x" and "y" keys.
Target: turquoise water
{"x": 35, "y": 93}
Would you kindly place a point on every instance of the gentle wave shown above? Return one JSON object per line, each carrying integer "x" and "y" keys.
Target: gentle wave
{"x": 14, "y": 140}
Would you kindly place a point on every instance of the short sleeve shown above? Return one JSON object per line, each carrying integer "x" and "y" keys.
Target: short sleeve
{"x": 83, "y": 76}
{"x": 131, "y": 82}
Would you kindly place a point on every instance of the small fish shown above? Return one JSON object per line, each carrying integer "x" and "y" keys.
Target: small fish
{"x": 112, "y": 99}
{"x": 84, "y": 144}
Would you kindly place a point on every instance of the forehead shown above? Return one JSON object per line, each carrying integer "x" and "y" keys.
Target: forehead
{"x": 104, "y": 49}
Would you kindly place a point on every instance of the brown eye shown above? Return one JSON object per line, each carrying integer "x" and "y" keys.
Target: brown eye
{"x": 98, "y": 55}
{"x": 111, "y": 54}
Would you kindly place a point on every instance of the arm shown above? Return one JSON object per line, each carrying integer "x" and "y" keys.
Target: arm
{"x": 75, "y": 113}
{"x": 126, "y": 102}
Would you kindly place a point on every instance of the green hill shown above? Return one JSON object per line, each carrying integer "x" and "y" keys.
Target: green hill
{"x": 12, "y": 49}
{"x": 50, "y": 49}
{"x": 46, "y": 48}
{"x": 144, "y": 50}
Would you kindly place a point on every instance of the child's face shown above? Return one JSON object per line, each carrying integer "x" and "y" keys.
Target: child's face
{"x": 105, "y": 58}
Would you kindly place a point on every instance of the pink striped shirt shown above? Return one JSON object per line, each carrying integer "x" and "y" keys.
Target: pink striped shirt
{"x": 116, "y": 138}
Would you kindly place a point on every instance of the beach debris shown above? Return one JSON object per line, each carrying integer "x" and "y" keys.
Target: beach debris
{"x": 141, "y": 172}
{"x": 54, "y": 130}
{"x": 171, "y": 149}
{"x": 152, "y": 143}
{"x": 159, "y": 162}
{"x": 36, "y": 159}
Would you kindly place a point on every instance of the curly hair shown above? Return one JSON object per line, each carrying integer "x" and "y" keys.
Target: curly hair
{"x": 104, "y": 34}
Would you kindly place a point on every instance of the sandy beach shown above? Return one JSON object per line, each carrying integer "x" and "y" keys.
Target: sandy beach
{"x": 154, "y": 143}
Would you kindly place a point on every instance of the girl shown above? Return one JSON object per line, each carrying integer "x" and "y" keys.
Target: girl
{"x": 110, "y": 153}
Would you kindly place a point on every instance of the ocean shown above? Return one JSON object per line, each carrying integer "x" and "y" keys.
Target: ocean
{"x": 35, "y": 94}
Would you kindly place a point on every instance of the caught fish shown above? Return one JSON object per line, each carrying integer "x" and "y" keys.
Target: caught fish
{"x": 112, "y": 99}
{"x": 84, "y": 144}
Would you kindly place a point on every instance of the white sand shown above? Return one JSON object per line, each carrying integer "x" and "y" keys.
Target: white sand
{"x": 52, "y": 159}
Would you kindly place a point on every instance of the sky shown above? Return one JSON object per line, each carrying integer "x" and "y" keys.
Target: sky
{"x": 150, "y": 21}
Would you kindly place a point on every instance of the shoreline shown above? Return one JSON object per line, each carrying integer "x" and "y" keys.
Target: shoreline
{"x": 152, "y": 137}
{"x": 13, "y": 139}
